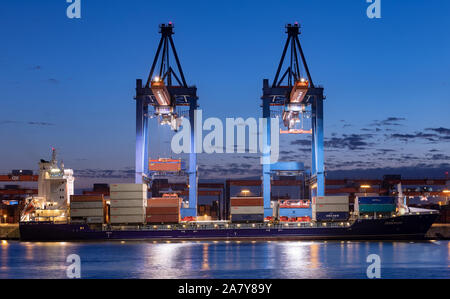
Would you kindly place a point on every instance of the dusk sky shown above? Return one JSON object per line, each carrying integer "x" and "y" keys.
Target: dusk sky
{"x": 69, "y": 83}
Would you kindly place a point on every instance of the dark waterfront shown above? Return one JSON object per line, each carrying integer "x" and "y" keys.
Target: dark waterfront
{"x": 232, "y": 259}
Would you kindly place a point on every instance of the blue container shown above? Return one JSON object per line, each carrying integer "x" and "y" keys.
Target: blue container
{"x": 376, "y": 208}
{"x": 332, "y": 216}
{"x": 295, "y": 212}
{"x": 247, "y": 218}
{"x": 381, "y": 200}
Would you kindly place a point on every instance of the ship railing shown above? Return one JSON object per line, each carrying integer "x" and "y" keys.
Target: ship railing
{"x": 287, "y": 225}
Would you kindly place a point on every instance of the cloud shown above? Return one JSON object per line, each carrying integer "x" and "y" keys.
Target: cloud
{"x": 53, "y": 81}
{"x": 351, "y": 142}
{"x": 390, "y": 121}
{"x": 31, "y": 123}
{"x": 440, "y": 130}
{"x": 420, "y": 135}
{"x": 35, "y": 68}
{"x": 104, "y": 173}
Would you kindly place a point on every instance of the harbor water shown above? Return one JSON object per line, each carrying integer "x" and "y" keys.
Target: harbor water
{"x": 225, "y": 259}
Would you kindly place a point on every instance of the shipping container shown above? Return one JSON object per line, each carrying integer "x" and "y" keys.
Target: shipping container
{"x": 330, "y": 200}
{"x": 162, "y": 164}
{"x": 330, "y": 216}
{"x": 383, "y": 200}
{"x": 86, "y": 212}
{"x": 367, "y": 208}
{"x": 163, "y": 210}
{"x": 128, "y": 187}
{"x": 127, "y": 211}
{"x": 87, "y": 204}
{"x": 163, "y": 204}
{"x": 247, "y": 210}
{"x": 247, "y": 218}
{"x": 169, "y": 219}
{"x": 128, "y": 203}
{"x": 247, "y": 201}
{"x": 128, "y": 195}
{"x": 293, "y": 212}
{"x": 118, "y": 219}
{"x": 86, "y": 198}
{"x": 94, "y": 220}
{"x": 330, "y": 207}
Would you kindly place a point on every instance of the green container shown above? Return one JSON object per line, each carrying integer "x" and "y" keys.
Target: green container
{"x": 374, "y": 208}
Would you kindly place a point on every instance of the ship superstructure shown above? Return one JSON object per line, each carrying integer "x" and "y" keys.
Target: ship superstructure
{"x": 55, "y": 186}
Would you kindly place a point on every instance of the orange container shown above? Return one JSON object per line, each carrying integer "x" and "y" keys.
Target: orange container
{"x": 163, "y": 219}
{"x": 162, "y": 211}
{"x": 247, "y": 201}
{"x": 84, "y": 198}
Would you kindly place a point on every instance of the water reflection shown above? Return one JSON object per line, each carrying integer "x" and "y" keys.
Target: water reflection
{"x": 221, "y": 259}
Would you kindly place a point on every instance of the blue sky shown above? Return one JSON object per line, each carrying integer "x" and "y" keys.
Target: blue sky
{"x": 70, "y": 83}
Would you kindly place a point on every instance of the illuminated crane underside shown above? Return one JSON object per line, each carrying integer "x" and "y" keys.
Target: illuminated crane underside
{"x": 160, "y": 93}
{"x": 295, "y": 96}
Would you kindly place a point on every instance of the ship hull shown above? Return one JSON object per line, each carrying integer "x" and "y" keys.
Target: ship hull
{"x": 410, "y": 227}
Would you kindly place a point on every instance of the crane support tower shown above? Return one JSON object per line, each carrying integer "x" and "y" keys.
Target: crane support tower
{"x": 165, "y": 91}
{"x": 300, "y": 99}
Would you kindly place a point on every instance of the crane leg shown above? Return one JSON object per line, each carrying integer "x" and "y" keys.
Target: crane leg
{"x": 318, "y": 170}
{"x": 266, "y": 158}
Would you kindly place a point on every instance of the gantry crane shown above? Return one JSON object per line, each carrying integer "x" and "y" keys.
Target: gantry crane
{"x": 300, "y": 99}
{"x": 165, "y": 91}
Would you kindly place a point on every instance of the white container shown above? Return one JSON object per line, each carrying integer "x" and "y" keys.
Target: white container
{"x": 86, "y": 213}
{"x": 127, "y": 203}
{"x": 86, "y": 205}
{"x": 330, "y": 208}
{"x": 247, "y": 210}
{"x": 128, "y": 187}
{"x": 128, "y": 195}
{"x": 94, "y": 220}
{"x": 127, "y": 211}
{"x": 115, "y": 219}
{"x": 330, "y": 200}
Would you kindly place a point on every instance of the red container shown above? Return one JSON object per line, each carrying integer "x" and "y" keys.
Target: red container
{"x": 163, "y": 210}
{"x": 247, "y": 201}
{"x": 157, "y": 219}
{"x": 86, "y": 198}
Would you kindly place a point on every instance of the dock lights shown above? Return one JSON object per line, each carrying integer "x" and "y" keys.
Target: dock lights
{"x": 446, "y": 191}
{"x": 168, "y": 226}
{"x": 253, "y": 225}
{"x": 238, "y": 225}
{"x": 245, "y": 192}
{"x": 365, "y": 186}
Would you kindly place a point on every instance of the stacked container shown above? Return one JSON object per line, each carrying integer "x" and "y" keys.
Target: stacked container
{"x": 128, "y": 203}
{"x": 87, "y": 208}
{"x": 247, "y": 209}
{"x": 375, "y": 205}
{"x": 330, "y": 208}
{"x": 163, "y": 210}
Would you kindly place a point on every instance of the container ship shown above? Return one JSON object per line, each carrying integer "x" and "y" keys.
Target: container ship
{"x": 56, "y": 214}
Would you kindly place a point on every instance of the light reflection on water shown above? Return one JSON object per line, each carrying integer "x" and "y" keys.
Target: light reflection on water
{"x": 230, "y": 259}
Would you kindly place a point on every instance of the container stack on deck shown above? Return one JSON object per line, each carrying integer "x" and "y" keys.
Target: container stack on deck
{"x": 163, "y": 210}
{"x": 128, "y": 203}
{"x": 295, "y": 210}
{"x": 375, "y": 206}
{"x": 330, "y": 208}
{"x": 87, "y": 208}
{"x": 247, "y": 209}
